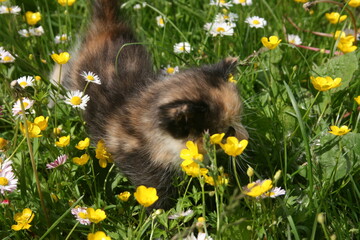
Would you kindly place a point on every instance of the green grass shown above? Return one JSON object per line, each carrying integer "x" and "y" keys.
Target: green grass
{"x": 287, "y": 118}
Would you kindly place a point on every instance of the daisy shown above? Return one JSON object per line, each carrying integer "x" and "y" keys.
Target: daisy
{"x": 220, "y": 28}
{"x": 13, "y": 9}
{"x": 91, "y": 77}
{"x": 231, "y": 17}
{"x": 59, "y": 161}
{"x": 76, "y": 212}
{"x": 76, "y": 99}
{"x": 294, "y": 39}
{"x": 182, "y": 47}
{"x": 160, "y": 21}
{"x": 62, "y": 38}
{"x": 36, "y": 31}
{"x": 8, "y": 182}
{"x": 5, "y": 56}
{"x": 256, "y": 22}
{"x": 221, "y": 3}
{"x": 25, "y": 81}
{"x": 27, "y": 103}
{"x": 24, "y": 33}
{"x": 275, "y": 192}
{"x": 243, "y": 2}
{"x": 170, "y": 70}
{"x": 182, "y": 214}
{"x": 200, "y": 236}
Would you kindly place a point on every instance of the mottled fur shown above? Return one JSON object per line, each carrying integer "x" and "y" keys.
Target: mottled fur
{"x": 146, "y": 120}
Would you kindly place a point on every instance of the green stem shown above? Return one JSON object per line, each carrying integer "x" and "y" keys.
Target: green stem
{"x": 72, "y": 230}
{"x": 233, "y": 159}
{"x": 33, "y": 164}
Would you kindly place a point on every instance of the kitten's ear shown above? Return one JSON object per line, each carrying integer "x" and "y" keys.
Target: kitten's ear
{"x": 180, "y": 118}
{"x": 221, "y": 69}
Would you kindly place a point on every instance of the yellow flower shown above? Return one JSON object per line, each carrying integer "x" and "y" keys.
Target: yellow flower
{"x": 66, "y": 2}
{"x": 102, "y": 154}
{"x": 250, "y": 172}
{"x": 357, "y": 99}
{"x": 63, "y": 141}
{"x": 339, "y": 131}
{"x": 301, "y": 1}
{"x": 221, "y": 180}
{"x": 42, "y": 122}
{"x": 93, "y": 215}
{"x": 334, "y": 17}
{"x": 33, "y": 129}
{"x": 354, "y": 3}
{"x": 81, "y": 160}
{"x": 271, "y": 42}
{"x": 37, "y": 78}
{"x": 216, "y": 138}
{"x": 191, "y": 153}
{"x": 258, "y": 188}
{"x": 346, "y": 44}
{"x": 32, "y": 18}
{"x": 3, "y": 143}
{"x": 23, "y": 219}
{"x": 61, "y": 58}
{"x": 124, "y": 196}
{"x": 325, "y": 83}
{"x": 99, "y": 235}
{"x": 233, "y": 147}
{"x": 231, "y": 78}
{"x": 146, "y": 196}
{"x": 192, "y": 168}
{"x": 83, "y": 144}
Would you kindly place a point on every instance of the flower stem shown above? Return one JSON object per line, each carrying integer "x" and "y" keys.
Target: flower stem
{"x": 233, "y": 159}
{"x": 33, "y": 164}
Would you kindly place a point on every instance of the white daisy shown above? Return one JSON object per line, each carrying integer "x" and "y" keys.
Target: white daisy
{"x": 222, "y": 28}
{"x": 36, "y": 31}
{"x": 243, "y": 2}
{"x": 27, "y": 103}
{"x": 230, "y": 17}
{"x": 25, "y": 81}
{"x": 5, "y": 56}
{"x": 91, "y": 77}
{"x": 200, "y": 236}
{"x": 256, "y": 22}
{"x": 221, "y": 3}
{"x": 76, "y": 99}
{"x": 275, "y": 192}
{"x": 13, "y": 10}
{"x": 76, "y": 212}
{"x": 160, "y": 21}
{"x": 182, "y": 47}
{"x": 294, "y": 39}
{"x": 24, "y": 33}
{"x": 62, "y": 38}
{"x": 182, "y": 214}
{"x": 170, "y": 70}
{"x": 8, "y": 182}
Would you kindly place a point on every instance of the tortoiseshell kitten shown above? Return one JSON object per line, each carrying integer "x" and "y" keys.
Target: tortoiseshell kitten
{"x": 145, "y": 120}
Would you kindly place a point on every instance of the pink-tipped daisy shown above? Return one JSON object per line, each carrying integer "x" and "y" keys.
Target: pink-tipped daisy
{"x": 8, "y": 182}
{"x": 59, "y": 161}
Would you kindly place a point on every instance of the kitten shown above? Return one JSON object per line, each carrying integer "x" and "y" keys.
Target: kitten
{"x": 144, "y": 119}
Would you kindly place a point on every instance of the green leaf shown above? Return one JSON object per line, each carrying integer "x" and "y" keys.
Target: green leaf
{"x": 342, "y": 66}
{"x": 334, "y": 163}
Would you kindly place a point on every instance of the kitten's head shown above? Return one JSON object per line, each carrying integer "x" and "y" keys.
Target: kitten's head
{"x": 202, "y": 99}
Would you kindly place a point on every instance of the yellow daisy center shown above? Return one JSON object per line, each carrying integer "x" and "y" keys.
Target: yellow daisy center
{"x": 23, "y": 84}
{"x": 63, "y": 38}
{"x": 4, "y": 181}
{"x": 242, "y": 1}
{"x": 222, "y": 1}
{"x": 25, "y": 104}
{"x": 161, "y": 21}
{"x": 170, "y": 70}
{"x": 181, "y": 48}
{"x": 75, "y": 100}
{"x": 90, "y": 78}
{"x": 220, "y": 29}
{"x": 226, "y": 17}
{"x": 256, "y": 22}
{"x": 7, "y": 58}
